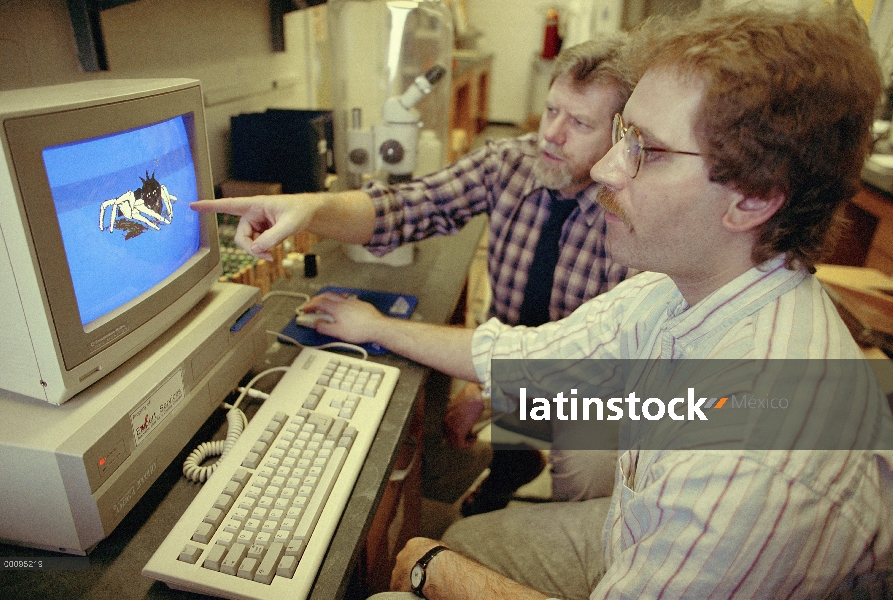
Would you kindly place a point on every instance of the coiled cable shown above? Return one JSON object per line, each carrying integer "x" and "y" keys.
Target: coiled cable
{"x": 236, "y": 421}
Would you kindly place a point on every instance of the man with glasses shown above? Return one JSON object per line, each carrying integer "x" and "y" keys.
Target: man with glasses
{"x": 745, "y": 133}
{"x": 546, "y": 252}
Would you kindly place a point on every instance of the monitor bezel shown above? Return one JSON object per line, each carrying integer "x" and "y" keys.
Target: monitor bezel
{"x": 27, "y": 137}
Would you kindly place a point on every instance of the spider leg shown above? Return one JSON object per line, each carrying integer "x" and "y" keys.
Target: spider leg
{"x": 102, "y": 208}
{"x": 138, "y": 214}
{"x": 168, "y": 199}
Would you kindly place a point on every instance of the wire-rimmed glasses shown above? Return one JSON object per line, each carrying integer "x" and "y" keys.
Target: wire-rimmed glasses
{"x": 636, "y": 149}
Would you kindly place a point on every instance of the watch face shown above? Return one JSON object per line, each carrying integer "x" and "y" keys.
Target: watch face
{"x": 416, "y": 576}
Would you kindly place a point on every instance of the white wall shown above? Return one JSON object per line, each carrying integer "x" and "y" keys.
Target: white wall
{"x": 513, "y": 33}
{"x": 224, "y": 43}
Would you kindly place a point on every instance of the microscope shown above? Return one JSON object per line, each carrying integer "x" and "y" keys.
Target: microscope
{"x": 391, "y": 146}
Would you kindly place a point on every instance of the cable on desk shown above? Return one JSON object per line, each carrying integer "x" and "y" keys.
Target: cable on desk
{"x": 305, "y": 297}
{"x": 344, "y": 345}
{"x": 235, "y": 424}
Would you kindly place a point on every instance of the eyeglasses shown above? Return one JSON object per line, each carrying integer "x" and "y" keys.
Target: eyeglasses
{"x": 635, "y": 147}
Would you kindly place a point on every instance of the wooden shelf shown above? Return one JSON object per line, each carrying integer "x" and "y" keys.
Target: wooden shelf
{"x": 469, "y": 101}
{"x": 87, "y": 26}
{"x": 867, "y": 240}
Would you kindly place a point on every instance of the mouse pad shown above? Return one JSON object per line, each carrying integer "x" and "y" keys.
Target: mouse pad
{"x": 393, "y": 305}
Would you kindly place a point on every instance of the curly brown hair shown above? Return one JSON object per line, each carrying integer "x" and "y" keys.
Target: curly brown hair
{"x": 788, "y": 106}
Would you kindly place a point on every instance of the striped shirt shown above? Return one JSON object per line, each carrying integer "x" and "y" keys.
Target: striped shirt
{"x": 498, "y": 180}
{"x": 742, "y": 524}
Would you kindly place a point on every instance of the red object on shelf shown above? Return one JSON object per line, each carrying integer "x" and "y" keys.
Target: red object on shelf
{"x": 551, "y": 41}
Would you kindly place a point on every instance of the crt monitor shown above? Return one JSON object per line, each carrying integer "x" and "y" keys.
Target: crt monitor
{"x": 96, "y": 235}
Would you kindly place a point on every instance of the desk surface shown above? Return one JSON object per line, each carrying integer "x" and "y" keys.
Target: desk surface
{"x": 436, "y": 277}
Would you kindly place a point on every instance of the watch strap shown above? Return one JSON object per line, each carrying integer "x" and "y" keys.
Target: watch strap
{"x": 423, "y": 563}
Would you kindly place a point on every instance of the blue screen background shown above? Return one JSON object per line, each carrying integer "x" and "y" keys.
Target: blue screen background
{"x": 108, "y": 270}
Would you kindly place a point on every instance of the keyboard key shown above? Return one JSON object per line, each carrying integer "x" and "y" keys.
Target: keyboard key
{"x": 295, "y": 548}
{"x": 283, "y": 536}
{"x": 287, "y": 566}
{"x": 245, "y": 537}
{"x": 241, "y": 476}
{"x": 253, "y": 525}
{"x": 233, "y": 558}
{"x": 247, "y": 568}
{"x": 268, "y": 566}
{"x": 233, "y": 526}
{"x": 252, "y": 459}
{"x": 203, "y": 533}
{"x": 214, "y": 517}
{"x": 214, "y": 557}
{"x": 318, "y": 500}
{"x": 270, "y": 527}
{"x": 233, "y": 487}
{"x": 322, "y": 422}
{"x": 190, "y": 554}
{"x": 223, "y": 502}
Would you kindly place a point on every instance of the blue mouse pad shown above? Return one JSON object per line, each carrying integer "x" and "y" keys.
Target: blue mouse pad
{"x": 393, "y": 305}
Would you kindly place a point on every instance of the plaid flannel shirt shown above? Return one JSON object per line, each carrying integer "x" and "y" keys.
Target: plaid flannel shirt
{"x": 498, "y": 180}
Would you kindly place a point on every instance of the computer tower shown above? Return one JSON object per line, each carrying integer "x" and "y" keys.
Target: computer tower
{"x": 291, "y": 147}
{"x": 70, "y": 474}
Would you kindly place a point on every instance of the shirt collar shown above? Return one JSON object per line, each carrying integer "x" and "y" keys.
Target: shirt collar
{"x": 744, "y": 295}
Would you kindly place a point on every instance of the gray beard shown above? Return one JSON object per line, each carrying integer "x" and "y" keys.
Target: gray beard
{"x": 554, "y": 178}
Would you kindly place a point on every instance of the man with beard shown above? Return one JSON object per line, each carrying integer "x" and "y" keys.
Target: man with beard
{"x": 535, "y": 187}
{"x": 745, "y": 134}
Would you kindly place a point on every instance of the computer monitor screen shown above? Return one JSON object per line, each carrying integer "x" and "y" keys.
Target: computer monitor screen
{"x": 121, "y": 201}
{"x": 96, "y": 235}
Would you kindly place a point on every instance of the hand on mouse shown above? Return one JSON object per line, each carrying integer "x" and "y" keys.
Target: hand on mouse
{"x": 309, "y": 319}
{"x": 354, "y": 321}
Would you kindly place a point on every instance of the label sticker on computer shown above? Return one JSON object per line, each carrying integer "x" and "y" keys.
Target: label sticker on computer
{"x": 154, "y": 409}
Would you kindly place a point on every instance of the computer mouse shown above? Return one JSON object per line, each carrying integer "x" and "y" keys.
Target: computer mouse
{"x": 309, "y": 319}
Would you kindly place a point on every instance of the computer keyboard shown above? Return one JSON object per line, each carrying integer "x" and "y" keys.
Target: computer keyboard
{"x": 261, "y": 525}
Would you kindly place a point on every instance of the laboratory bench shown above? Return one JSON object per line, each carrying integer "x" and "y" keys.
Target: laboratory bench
{"x": 383, "y": 509}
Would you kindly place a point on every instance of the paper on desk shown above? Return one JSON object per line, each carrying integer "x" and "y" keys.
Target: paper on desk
{"x": 884, "y": 161}
{"x": 861, "y": 278}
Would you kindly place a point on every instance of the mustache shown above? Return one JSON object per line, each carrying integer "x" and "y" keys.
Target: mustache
{"x": 555, "y": 151}
{"x": 608, "y": 200}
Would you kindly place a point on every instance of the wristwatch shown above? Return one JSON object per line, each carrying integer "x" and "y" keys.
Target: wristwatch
{"x": 417, "y": 575}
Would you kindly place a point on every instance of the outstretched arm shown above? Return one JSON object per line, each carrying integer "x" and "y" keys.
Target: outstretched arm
{"x": 447, "y": 349}
{"x": 267, "y": 220}
{"x": 451, "y": 576}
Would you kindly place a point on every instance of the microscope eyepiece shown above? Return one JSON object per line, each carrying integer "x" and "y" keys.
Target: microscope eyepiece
{"x": 434, "y": 74}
